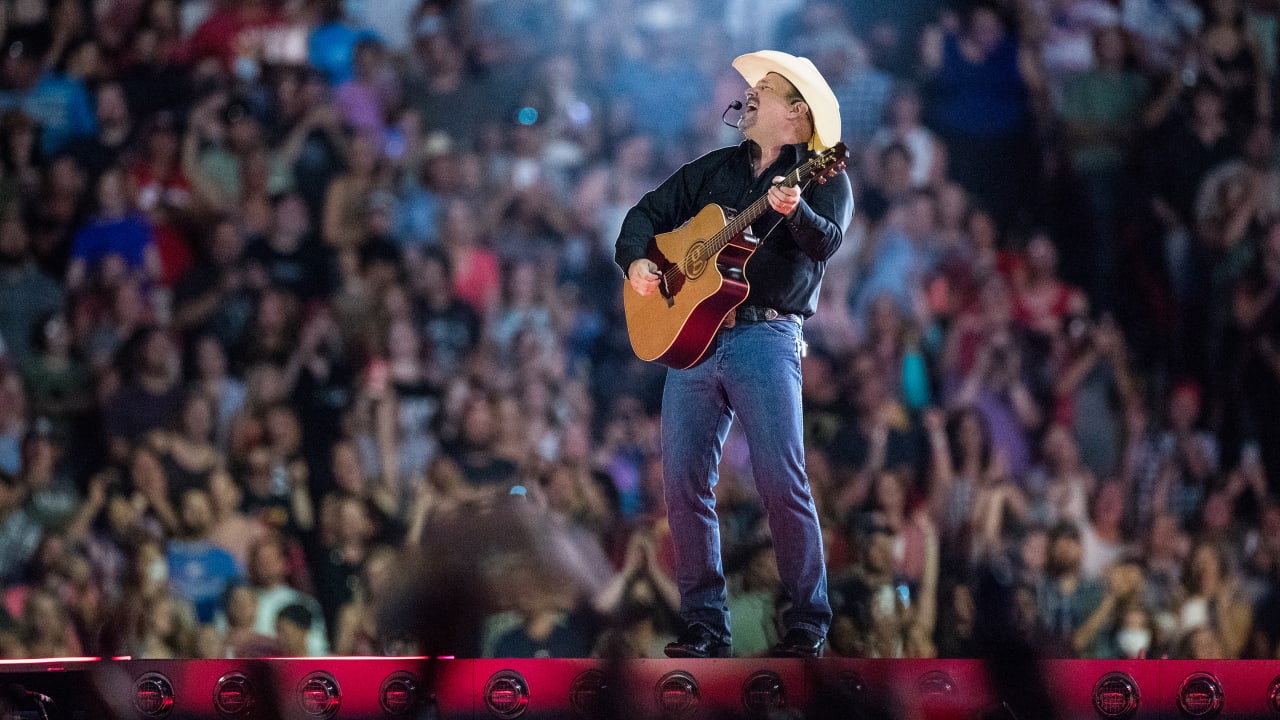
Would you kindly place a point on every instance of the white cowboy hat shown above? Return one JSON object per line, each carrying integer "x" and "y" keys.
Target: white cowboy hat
{"x": 801, "y": 72}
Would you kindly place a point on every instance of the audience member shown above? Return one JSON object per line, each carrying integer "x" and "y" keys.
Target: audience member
{"x": 150, "y": 393}
{"x": 1067, "y": 600}
{"x": 26, "y": 293}
{"x": 1233, "y": 62}
{"x": 987, "y": 87}
{"x": 199, "y": 571}
{"x": 268, "y": 577}
{"x": 358, "y": 631}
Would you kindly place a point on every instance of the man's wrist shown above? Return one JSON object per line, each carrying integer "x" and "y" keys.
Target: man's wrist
{"x": 630, "y": 265}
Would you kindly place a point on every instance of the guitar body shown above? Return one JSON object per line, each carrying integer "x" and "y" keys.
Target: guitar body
{"x": 676, "y": 325}
{"x": 702, "y": 264}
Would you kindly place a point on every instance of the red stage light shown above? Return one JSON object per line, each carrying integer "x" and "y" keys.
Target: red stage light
{"x": 1200, "y": 696}
{"x": 233, "y": 695}
{"x": 763, "y": 693}
{"x": 936, "y": 682}
{"x": 1115, "y": 696}
{"x": 319, "y": 695}
{"x": 677, "y": 694}
{"x": 589, "y": 693}
{"x": 399, "y": 694}
{"x": 153, "y": 695}
{"x": 506, "y": 695}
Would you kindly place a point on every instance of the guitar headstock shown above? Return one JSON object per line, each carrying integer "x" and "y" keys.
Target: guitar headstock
{"x": 826, "y": 164}
{"x": 831, "y": 161}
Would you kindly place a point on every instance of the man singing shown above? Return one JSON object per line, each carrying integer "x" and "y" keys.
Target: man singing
{"x": 752, "y": 369}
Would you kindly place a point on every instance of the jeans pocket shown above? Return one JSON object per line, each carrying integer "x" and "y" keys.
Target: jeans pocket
{"x": 785, "y": 328}
{"x": 790, "y": 333}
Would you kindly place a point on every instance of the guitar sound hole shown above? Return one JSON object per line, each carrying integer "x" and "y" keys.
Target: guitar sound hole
{"x": 695, "y": 261}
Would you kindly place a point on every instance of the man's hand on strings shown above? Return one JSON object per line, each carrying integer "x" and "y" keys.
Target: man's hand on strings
{"x": 643, "y": 276}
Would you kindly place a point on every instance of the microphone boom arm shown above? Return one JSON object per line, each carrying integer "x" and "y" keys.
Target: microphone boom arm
{"x": 735, "y": 105}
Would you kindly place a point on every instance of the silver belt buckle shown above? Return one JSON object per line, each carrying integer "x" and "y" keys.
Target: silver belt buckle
{"x": 770, "y": 314}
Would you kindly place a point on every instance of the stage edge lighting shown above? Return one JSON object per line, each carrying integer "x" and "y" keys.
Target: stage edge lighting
{"x": 677, "y": 694}
{"x": 935, "y": 683}
{"x": 319, "y": 695}
{"x": 1200, "y": 696}
{"x": 1273, "y": 697}
{"x": 763, "y": 693}
{"x": 233, "y": 695}
{"x": 1115, "y": 696}
{"x": 589, "y": 694}
{"x": 399, "y": 694}
{"x": 153, "y": 695}
{"x": 506, "y": 695}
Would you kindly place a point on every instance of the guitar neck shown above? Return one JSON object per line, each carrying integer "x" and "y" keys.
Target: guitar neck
{"x": 743, "y": 220}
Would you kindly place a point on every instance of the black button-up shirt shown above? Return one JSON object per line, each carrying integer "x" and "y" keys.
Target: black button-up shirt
{"x": 785, "y": 272}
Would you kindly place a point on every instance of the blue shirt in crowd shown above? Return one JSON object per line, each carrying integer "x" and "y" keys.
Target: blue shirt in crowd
{"x": 201, "y": 572}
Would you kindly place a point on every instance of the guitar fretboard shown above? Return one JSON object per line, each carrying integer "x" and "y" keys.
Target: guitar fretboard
{"x": 743, "y": 220}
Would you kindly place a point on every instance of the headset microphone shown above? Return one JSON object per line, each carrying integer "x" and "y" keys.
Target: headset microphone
{"x": 735, "y": 105}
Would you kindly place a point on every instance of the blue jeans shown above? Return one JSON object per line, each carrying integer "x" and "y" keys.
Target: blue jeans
{"x": 752, "y": 371}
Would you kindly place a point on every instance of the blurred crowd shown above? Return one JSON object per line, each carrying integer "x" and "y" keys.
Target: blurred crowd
{"x": 288, "y": 286}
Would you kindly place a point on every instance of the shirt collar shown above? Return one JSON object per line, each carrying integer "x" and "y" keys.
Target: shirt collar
{"x": 799, "y": 151}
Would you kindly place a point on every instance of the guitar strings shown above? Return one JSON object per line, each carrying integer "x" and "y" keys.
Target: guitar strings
{"x": 678, "y": 268}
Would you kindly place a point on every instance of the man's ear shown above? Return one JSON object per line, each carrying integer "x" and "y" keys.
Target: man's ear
{"x": 800, "y": 106}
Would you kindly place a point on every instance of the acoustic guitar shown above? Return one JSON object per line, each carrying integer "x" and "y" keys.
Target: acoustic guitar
{"x": 702, "y": 264}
